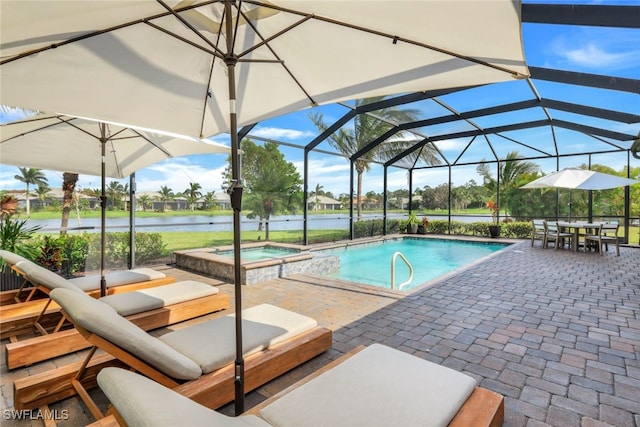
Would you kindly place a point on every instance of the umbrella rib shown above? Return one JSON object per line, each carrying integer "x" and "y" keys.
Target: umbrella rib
{"x": 265, "y": 42}
{"x": 61, "y": 119}
{"x": 168, "y": 154}
{"x": 191, "y": 27}
{"x": 217, "y": 52}
{"x": 394, "y": 38}
{"x": 104, "y": 31}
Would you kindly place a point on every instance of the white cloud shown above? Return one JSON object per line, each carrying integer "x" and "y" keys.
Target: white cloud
{"x": 332, "y": 173}
{"x": 451, "y": 144}
{"x": 177, "y": 174}
{"x": 602, "y": 54}
{"x": 281, "y": 133}
{"x": 594, "y": 56}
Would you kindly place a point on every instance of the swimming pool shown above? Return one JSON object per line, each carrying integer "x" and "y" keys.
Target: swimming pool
{"x": 371, "y": 263}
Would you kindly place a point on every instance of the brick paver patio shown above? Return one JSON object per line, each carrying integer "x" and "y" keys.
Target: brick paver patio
{"x": 556, "y": 332}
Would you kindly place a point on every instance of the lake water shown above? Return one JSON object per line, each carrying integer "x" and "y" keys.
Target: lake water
{"x": 221, "y": 223}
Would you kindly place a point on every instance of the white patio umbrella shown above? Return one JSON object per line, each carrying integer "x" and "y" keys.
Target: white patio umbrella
{"x": 172, "y": 65}
{"x": 579, "y": 179}
{"x": 71, "y": 144}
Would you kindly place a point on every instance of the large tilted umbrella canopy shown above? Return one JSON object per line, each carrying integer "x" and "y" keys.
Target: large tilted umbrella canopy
{"x": 580, "y": 179}
{"x": 161, "y": 64}
{"x": 201, "y": 67}
{"x": 71, "y": 144}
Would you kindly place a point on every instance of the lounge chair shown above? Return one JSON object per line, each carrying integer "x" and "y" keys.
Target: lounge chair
{"x": 376, "y": 386}
{"x": 196, "y": 361}
{"x": 21, "y": 318}
{"x": 148, "y": 308}
{"x": 117, "y": 281}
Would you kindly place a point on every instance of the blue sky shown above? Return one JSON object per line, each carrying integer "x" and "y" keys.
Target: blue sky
{"x": 595, "y": 50}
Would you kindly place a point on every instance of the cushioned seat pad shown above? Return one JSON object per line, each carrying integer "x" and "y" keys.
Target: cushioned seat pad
{"x": 358, "y": 392}
{"x": 99, "y": 318}
{"x": 117, "y": 278}
{"x": 129, "y": 303}
{"x": 211, "y": 344}
{"x": 154, "y": 405}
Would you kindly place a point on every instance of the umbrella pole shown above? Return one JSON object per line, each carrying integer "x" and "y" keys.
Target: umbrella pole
{"x": 235, "y": 193}
{"x": 103, "y": 211}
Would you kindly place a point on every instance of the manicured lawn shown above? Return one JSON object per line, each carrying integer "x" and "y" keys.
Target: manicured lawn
{"x": 180, "y": 240}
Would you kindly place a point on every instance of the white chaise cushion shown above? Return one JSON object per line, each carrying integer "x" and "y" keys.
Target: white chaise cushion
{"x": 117, "y": 278}
{"x": 11, "y": 258}
{"x": 144, "y": 403}
{"x": 129, "y": 303}
{"x": 212, "y": 344}
{"x": 379, "y": 386}
{"x": 41, "y": 276}
{"x": 99, "y": 318}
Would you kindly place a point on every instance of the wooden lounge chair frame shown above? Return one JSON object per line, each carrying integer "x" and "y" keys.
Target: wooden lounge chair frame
{"x": 37, "y": 349}
{"x": 44, "y": 314}
{"x": 212, "y": 390}
{"x": 12, "y": 296}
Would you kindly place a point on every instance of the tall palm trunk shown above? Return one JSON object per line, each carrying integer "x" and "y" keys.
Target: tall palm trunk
{"x": 69, "y": 181}
{"x": 361, "y": 165}
{"x": 27, "y": 195}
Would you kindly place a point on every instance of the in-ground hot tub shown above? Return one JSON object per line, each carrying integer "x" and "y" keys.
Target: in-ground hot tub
{"x": 260, "y": 261}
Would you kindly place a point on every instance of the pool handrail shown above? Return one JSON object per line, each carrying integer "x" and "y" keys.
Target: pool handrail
{"x": 393, "y": 271}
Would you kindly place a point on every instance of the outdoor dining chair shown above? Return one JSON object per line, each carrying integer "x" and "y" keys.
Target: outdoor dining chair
{"x": 607, "y": 233}
{"x": 538, "y": 232}
{"x": 555, "y": 233}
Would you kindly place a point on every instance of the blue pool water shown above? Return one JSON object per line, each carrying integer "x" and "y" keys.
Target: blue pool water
{"x": 430, "y": 258}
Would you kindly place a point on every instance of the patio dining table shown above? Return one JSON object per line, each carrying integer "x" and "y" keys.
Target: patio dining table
{"x": 576, "y": 226}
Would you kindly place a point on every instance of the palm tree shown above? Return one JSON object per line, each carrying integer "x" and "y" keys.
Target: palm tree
{"x": 42, "y": 192}
{"x": 511, "y": 172}
{"x": 365, "y": 129}
{"x": 145, "y": 201}
{"x": 115, "y": 191}
{"x": 209, "y": 199}
{"x": 69, "y": 181}
{"x": 193, "y": 194}
{"x": 31, "y": 176}
{"x": 165, "y": 194}
{"x": 318, "y": 192}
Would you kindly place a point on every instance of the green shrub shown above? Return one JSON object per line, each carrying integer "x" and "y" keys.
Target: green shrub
{"x": 75, "y": 250}
{"x": 375, "y": 227}
{"x": 518, "y": 230}
{"x": 438, "y": 226}
{"x": 50, "y": 256}
{"x": 17, "y": 237}
{"x": 82, "y": 251}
